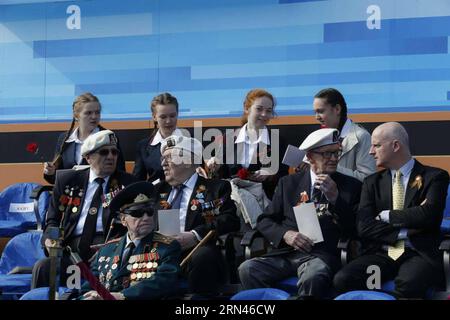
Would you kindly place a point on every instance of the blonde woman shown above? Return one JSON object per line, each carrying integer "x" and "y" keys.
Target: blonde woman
{"x": 86, "y": 121}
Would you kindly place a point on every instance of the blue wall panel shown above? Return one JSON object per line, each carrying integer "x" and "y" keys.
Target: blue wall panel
{"x": 209, "y": 53}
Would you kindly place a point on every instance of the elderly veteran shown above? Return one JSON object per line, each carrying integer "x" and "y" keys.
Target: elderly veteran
{"x": 399, "y": 219}
{"x": 80, "y": 201}
{"x": 336, "y": 198}
{"x": 142, "y": 264}
{"x": 185, "y": 190}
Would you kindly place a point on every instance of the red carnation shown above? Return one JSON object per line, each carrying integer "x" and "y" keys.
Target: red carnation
{"x": 32, "y": 147}
{"x": 242, "y": 173}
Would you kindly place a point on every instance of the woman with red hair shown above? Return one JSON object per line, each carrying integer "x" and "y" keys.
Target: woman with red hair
{"x": 256, "y": 150}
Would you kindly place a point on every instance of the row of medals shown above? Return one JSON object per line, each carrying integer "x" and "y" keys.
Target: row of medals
{"x": 143, "y": 266}
{"x": 104, "y": 279}
{"x": 69, "y": 193}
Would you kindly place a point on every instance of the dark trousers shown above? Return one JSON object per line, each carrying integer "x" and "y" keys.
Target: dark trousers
{"x": 411, "y": 273}
{"x": 314, "y": 275}
{"x": 206, "y": 270}
{"x": 41, "y": 272}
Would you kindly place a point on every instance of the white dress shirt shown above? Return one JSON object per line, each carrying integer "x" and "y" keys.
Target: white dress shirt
{"x": 158, "y": 137}
{"x": 89, "y": 194}
{"x": 249, "y": 146}
{"x": 406, "y": 173}
{"x": 78, "y": 143}
{"x": 185, "y": 197}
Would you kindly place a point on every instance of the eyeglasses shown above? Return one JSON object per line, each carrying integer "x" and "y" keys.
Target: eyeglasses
{"x": 105, "y": 152}
{"x": 329, "y": 154}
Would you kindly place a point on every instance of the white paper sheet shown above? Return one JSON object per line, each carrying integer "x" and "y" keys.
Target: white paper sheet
{"x": 293, "y": 156}
{"x": 80, "y": 166}
{"x": 169, "y": 222}
{"x": 308, "y": 222}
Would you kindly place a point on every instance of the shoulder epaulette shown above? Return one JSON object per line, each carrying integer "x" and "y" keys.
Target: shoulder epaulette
{"x": 158, "y": 237}
{"x": 114, "y": 240}
{"x": 97, "y": 247}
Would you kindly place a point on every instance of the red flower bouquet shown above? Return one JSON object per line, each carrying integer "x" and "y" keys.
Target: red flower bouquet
{"x": 243, "y": 173}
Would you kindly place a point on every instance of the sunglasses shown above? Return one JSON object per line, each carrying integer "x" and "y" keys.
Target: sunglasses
{"x": 105, "y": 152}
{"x": 139, "y": 213}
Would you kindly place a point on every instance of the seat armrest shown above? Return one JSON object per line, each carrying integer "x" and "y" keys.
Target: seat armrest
{"x": 445, "y": 245}
{"x": 21, "y": 270}
{"x": 249, "y": 237}
{"x": 35, "y": 195}
{"x": 343, "y": 244}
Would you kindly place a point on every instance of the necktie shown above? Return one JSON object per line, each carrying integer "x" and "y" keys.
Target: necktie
{"x": 127, "y": 253}
{"x": 317, "y": 196}
{"x": 176, "y": 200}
{"x": 398, "y": 198}
{"x": 90, "y": 224}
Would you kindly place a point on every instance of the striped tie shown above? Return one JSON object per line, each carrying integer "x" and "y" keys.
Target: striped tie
{"x": 398, "y": 198}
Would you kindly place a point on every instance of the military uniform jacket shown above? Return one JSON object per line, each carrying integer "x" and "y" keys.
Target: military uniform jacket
{"x": 207, "y": 189}
{"x": 278, "y": 218}
{"x": 68, "y": 199}
{"x": 151, "y": 272}
{"x": 426, "y": 216}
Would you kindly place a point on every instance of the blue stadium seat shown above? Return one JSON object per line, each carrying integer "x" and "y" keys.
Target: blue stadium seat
{"x": 289, "y": 285}
{"x": 16, "y": 263}
{"x": 364, "y": 295}
{"x": 261, "y": 294}
{"x": 19, "y": 213}
{"x": 41, "y": 293}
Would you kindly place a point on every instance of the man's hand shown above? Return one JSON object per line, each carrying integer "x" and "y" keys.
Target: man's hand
{"x": 298, "y": 241}
{"x": 118, "y": 295}
{"x": 328, "y": 187}
{"x": 92, "y": 295}
{"x": 186, "y": 239}
{"x": 49, "y": 244}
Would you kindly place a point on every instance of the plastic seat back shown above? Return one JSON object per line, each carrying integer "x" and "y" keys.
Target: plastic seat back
{"x": 261, "y": 294}
{"x": 17, "y": 209}
{"x": 24, "y": 250}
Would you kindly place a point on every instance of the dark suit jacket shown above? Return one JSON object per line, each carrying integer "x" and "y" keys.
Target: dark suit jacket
{"x": 161, "y": 285}
{"x": 147, "y": 165}
{"x": 231, "y": 169}
{"x": 376, "y": 196}
{"x": 278, "y": 218}
{"x": 77, "y": 180}
{"x": 226, "y": 221}
{"x": 68, "y": 156}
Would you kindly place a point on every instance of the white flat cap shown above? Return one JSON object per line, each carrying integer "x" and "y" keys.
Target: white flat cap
{"x": 320, "y": 138}
{"x": 98, "y": 140}
{"x": 183, "y": 143}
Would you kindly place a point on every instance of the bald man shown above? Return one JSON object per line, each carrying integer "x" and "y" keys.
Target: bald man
{"x": 398, "y": 219}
